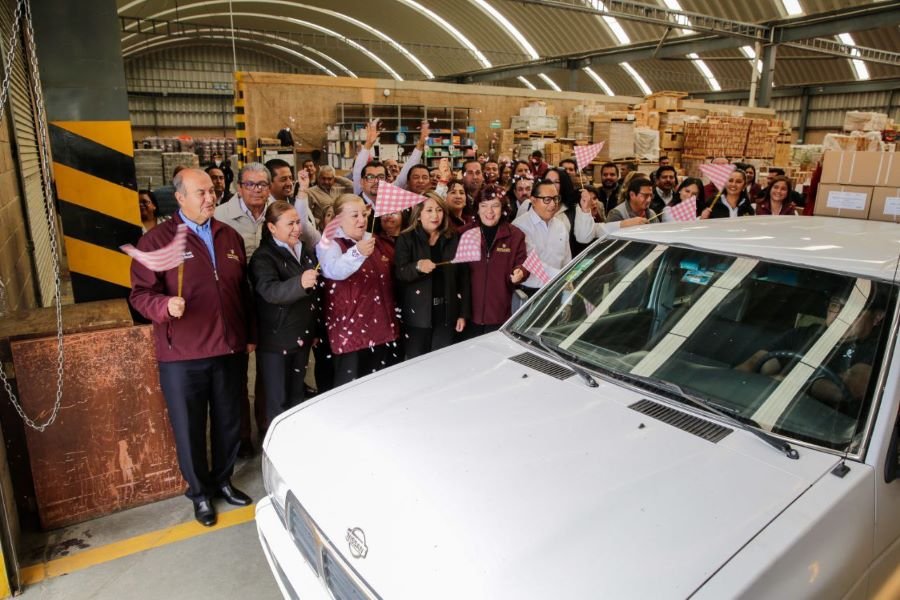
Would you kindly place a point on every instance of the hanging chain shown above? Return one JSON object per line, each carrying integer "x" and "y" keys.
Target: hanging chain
{"x": 49, "y": 205}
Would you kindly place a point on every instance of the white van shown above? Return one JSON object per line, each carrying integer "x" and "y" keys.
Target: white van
{"x": 704, "y": 410}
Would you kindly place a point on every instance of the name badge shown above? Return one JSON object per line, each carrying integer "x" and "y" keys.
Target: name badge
{"x": 233, "y": 255}
{"x": 187, "y": 255}
{"x": 503, "y": 249}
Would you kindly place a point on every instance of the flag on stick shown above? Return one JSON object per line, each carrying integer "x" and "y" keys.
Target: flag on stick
{"x": 393, "y": 199}
{"x": 167, "y": 257}
{"x": 685, "y": 210}
{"x": 536, "y": 267}
{"x": 469, "y": 248}
{"x": 585, "y": 154}
{"x": 330, "y": 232}
{"x": 717, "y": 174}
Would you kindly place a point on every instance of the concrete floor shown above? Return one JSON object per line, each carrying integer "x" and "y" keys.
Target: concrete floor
{"x": 220, "y": 563}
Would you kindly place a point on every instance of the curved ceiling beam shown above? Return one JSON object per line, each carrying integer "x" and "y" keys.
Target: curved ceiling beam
{"x": 440, "y": 21}
{"x": 399, "y": 48}
{"x": 356, "y": 46}
{"x": 226, "y": 37}
{"x": 508, "y": 27}
{"x": 270, "y": 36}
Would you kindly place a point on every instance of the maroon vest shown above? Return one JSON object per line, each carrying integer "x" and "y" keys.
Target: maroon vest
{"x": 360, "y": 310}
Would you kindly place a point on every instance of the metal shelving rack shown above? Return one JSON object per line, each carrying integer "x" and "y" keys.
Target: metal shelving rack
{"x": 451, "y": 132}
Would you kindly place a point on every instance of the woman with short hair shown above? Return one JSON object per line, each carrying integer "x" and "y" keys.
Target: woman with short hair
{"x": 284, "y": 281}
{"x": 358, "y": 294}
{"x": 434, "y": 293}
{"x": 494, "y": 277}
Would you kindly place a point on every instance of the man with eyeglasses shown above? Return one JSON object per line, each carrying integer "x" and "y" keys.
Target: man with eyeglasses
{"x": 640, "y": 195}
{"x": 544, "y": 233}
{"x": 245, "y": 213}
{"x": 364, "y": 157}
{"x": 218, "y": 178}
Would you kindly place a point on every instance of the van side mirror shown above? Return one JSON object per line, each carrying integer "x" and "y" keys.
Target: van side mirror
{"x": 892, "y": 464}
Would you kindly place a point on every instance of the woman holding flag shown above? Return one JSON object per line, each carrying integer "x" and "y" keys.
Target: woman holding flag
{"x": 284, "y": 281}
{"x": 498, "y": 269}
{"x": 689, "y": 191}
{"x": 358, "y": 293}
{"x": 731, "y": 200}
{"x": 433, "y": 290}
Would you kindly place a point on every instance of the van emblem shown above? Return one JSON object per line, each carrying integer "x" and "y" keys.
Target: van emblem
{"x": 357, "y": 540}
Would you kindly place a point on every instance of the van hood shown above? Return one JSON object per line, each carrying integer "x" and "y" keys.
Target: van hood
{"x": 473, "y": 476}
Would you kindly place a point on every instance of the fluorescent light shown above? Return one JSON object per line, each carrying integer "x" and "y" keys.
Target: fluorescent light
{"x": 599, "y": 81}
{"x": 617, "y": 30}
{"x": 526, "y": 83}
{"x": 792, "y": 7}
{"x": 550, "y": 82}
{"x": 860, "y": 70}
{"x": 704, "y": 70}
{"x": 751, "y": 54}
{"x": 430, "y": 14}
{"x": 637, "y": 78}
{"x": 514, "y": 33}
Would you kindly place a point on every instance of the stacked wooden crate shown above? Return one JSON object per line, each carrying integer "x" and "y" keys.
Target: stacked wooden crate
{"x": 579, "y": 121}
{"x": 714, "y": 137}
{"x": 616, "y": 130}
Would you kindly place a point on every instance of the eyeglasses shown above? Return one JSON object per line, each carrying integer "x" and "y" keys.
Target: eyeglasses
{"x": 548, "y": 200}
{"x": 645, "y": 195}
{"x": 371, "y": 177}
{"x": 255, "y": 185}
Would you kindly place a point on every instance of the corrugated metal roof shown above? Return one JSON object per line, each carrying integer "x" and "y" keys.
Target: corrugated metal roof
{"x": 552, "y": 31}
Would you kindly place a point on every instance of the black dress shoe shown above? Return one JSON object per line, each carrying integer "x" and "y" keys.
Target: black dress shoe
{"x": 204, "y": 512}
{"x": 234, "y": 496}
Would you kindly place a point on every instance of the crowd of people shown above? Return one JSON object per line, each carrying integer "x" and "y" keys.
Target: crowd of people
{"x": 296, "y": 268}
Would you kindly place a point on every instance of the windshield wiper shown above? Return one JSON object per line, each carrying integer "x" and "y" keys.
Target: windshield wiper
{"x": 581, "y": 371}
{"x": 704, "y": 404}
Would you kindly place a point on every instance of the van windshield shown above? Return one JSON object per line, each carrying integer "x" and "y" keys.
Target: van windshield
{"x": 787, "y": 349}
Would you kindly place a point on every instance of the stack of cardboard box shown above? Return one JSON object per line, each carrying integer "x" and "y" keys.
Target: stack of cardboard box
{"x": 616, "y": 131}
{"x": 860, "y": 185}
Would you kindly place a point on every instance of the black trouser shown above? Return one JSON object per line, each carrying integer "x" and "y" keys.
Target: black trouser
{"x": 259, "y": 403}
{"x": 353, "y": 365}
{"x": 473, "y": 330}
{"x": 194, "y": 389}
{"x": 324, "y": 366}
{"x": 282, "y": 375}
{"x": 422, "y": 340}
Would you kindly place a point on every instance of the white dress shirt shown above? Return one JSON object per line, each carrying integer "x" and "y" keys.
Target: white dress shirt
{"x": 549, "y": 239}
{"x": 337, "y": 264}
{"x": 586, "y": 230}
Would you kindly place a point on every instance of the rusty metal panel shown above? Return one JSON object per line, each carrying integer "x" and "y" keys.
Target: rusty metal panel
{"x": 111, "y": 447}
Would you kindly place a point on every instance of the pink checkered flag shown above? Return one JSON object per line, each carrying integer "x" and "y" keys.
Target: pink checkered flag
{"x": 717, "y": 174}
{"x": 536, "y": 267}
{"x": 168, "y": 257}
{"x": 393, "y": 199}
{"x": 330, "y": 232}
{"x": 585, "y": 154}
{"x": 685, "y": 210}
{"x": 469, "y": 248}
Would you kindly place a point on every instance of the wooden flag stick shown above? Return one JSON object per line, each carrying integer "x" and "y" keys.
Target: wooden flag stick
{"x": 180, "y": 278}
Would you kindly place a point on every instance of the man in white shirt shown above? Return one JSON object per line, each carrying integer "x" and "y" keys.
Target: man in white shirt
{"x": 544, "y": 233}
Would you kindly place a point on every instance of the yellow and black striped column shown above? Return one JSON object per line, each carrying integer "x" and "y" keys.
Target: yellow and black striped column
{"x": 93, "y": 164}
{"x": 240, "y": 119}
{"x": 86, "y": 102}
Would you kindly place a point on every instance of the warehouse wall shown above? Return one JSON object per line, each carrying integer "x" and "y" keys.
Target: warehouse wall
{"x": 826, "y": 112}
{"x": 189, "y": 90}
{"x": 16, "y": 273}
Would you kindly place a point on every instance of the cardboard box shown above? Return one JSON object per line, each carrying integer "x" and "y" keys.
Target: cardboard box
{"x": 861, "y": 168}
{"x": 885, "y": 204}
{"x": 839, "y": 200}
